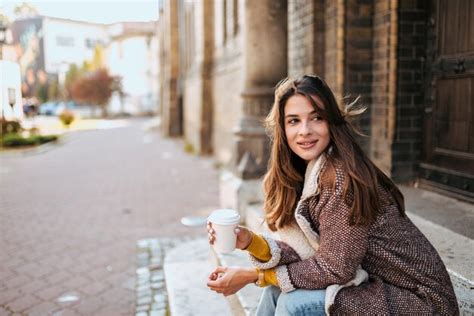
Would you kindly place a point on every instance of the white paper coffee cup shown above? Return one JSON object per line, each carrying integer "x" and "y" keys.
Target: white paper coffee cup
{"x": 224, "y": 222}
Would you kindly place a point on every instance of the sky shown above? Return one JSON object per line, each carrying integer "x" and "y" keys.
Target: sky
{"x": 98, "y": 11}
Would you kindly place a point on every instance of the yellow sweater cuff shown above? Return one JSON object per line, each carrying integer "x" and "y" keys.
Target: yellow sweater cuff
{"x": 259, "y": 248}
{"x": 269, "y": 277}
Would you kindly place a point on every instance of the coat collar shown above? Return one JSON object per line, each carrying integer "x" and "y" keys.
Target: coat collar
{"x": 313, "y": 169}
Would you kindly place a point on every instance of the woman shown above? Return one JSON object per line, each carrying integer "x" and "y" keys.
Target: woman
{"x": 345, "y": 245}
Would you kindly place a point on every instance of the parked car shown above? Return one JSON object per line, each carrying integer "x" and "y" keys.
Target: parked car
{"x": 30, "y": 108}
{"x": 49, "y": 108}
{"x": 55, "y": 108}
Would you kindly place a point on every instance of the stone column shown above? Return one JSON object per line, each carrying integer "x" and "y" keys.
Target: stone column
{"x": 171, "y": 107}
{"x": 265, "y": 64}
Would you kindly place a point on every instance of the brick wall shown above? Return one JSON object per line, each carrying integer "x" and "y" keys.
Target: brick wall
{"x": 358, "y": 58}
{"x": 306, "y": 37}
{"x": 300, "y": 37}
{"x": 407, "y": 144}
{"x": 334, "y": 46}
{"x": 383, "y": 84}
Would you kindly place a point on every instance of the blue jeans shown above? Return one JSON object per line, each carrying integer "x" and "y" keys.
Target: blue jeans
{"x": 297, "y": 302}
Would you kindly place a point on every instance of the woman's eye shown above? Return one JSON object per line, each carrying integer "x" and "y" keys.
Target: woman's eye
{"x": 292, "y": 121}
{"x": 317, "y": 118}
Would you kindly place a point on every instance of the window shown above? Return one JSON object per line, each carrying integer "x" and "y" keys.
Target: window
{"x": 64, "y": 41}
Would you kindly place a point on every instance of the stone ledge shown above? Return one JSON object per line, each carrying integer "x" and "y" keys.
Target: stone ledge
{"x": 186, "y": 269}
{"x": 245, "y": 301}
{"x": 457, "y": 254}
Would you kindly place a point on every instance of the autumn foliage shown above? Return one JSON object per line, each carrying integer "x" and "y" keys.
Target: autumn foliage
{"x": 94, "y": 88}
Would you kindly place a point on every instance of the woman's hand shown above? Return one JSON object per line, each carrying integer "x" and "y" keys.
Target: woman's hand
{"x": 229, "y": 280}
{"x": 244, "y": 236}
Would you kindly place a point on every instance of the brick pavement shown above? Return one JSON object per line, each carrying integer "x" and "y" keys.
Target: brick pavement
{"x": 70, "y": 217}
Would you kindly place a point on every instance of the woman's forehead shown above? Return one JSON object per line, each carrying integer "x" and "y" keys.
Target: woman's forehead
{"x": 305, "y": 99}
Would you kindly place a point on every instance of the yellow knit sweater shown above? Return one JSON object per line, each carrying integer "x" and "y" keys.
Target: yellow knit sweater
{"x": 259, "y": 249}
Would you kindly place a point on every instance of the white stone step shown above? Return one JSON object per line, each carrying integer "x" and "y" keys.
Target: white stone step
{"x": 245, "y": 301}
{"x": 186, "y": 270}
{"x": 457, "y": 253}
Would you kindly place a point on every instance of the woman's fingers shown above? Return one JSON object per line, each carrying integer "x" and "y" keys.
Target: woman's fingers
{"x": 211, "y": 233}
{"x": 212, "y": 238}
{"x": 213, "y": 276}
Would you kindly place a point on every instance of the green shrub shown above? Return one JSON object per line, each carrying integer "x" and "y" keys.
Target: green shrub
{"x": 16, "y": 140}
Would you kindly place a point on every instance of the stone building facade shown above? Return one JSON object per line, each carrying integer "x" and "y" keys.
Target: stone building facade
{"x": 222, "y": 59}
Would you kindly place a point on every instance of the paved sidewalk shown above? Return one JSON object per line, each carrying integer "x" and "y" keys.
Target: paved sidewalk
{"x": 70, "y": 217}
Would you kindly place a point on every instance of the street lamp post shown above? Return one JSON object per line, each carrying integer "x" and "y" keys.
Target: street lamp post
{"x": 11, "y": 98}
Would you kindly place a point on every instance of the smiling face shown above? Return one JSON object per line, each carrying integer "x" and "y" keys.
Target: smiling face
{"x": 306, "y": 132}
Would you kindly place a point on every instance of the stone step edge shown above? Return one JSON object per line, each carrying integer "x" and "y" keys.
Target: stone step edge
{"x": 245, "y": 301}
{"x": 186, "y": 268}
{"x": 454, "y": 249}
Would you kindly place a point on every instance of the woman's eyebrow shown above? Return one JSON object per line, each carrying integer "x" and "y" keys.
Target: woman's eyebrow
{"x": 296, "y": 115}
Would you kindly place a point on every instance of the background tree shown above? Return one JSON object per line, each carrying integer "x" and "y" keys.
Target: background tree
{"x": 4, "y": 18}
{"x": 53, "y": 90}
{"x": 25, "y": 10}
{"x": 42, "y": 92}
{"x": 72, "y": 75}
{"x": 95, "y": 88}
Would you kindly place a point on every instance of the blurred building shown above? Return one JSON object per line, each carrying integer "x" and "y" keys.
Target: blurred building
{"x": 410, "y": 61}
{"x": 10, "y": 91}
{"x": 10, "y": 77}
{"x": 132, "y": 53}
{"x": 47, "y": 46}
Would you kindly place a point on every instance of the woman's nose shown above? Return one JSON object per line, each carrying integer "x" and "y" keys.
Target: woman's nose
{"x": 305, "y": 129}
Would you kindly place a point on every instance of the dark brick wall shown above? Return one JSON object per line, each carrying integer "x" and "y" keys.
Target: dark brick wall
{"x": 306, "y": 41}
{"x": 383, "y": 85}
{"x": 331, "y": 54}
{"x": 358, "y": 61}
{"x": 411, "y": 52}
{"x": 300, "y": 37}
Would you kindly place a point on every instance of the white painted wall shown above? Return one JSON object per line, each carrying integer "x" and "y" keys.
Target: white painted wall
{"x": 66, "y": 42}
{"x": 10, "y": 77}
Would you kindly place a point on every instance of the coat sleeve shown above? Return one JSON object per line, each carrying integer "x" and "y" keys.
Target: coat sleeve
{"x": 280, "y": 254}
{"x": 342, "y": 248}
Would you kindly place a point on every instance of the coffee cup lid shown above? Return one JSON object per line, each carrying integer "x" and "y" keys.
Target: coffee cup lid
{"x": 224, "y": 217}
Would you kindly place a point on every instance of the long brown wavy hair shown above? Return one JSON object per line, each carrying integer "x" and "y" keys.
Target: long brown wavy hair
{"x": 283, "y": 182}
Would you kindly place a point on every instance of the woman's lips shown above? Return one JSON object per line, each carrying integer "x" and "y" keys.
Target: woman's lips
{"x": 307, "y": 145}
